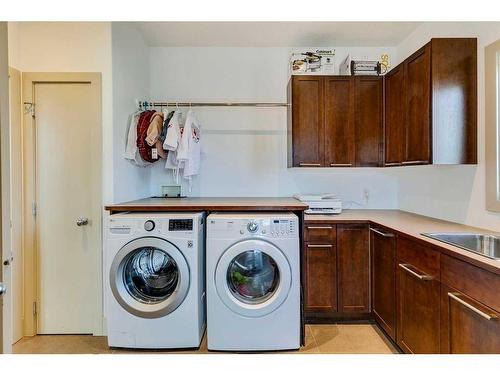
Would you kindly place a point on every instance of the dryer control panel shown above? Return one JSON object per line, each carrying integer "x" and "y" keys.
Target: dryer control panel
{"x": 271, "y": 227}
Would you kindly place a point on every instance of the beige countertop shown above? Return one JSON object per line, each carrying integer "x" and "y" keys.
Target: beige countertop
{"x": 412, "y": 225}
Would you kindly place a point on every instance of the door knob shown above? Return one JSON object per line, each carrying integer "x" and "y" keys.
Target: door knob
{"x": 3, "y": 289}
{"x": 82, "y": 221}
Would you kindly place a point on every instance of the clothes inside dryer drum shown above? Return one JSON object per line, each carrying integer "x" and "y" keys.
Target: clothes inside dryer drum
{"x": 253, "y": 277}
{"x": 150, "y": 275}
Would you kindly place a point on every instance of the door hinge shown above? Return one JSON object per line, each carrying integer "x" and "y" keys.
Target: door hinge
{"x": 33, "y": 208}
{"x": 29, "y": 108}
{"x": 34, "y": 308}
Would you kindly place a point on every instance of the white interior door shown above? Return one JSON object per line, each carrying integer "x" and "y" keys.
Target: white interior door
{"x": 69, "y": 266}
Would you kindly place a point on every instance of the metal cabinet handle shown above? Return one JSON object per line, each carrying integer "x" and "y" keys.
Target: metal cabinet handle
{"x": 415, "y": 162}
{"x": 410, "y": 269}
{"x": 319, "y": 245}
{"x": 381, "y": 233}
{"x": 477, "y": 310}
{"x": 82, "y": 221}
{"x": 310, "y": 164}
{"x": 341, "y": 165}
{"x": 325, "y": 227}
{"x": 3, "y": 289}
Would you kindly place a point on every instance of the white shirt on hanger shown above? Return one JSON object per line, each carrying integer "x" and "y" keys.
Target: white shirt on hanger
{"x": 189, "y": 151}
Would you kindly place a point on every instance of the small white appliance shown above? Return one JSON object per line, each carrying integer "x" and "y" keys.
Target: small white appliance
{"x": 253, "y": 282}
{"x": 321, "y": 204}
{"x": 155, "y": 280}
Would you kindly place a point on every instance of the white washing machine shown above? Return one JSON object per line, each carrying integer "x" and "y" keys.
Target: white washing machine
{"x": 155, "y": 280}
{"x": 253, "y": 282}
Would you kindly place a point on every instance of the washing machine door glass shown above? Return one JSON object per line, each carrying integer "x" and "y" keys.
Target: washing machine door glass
{"x": 149, "y": 277}
{"x": 253, "y": 278}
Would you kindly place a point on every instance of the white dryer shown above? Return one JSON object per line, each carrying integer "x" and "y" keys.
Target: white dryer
{"x": 253, "y": 282}
{"x": 155, "y": 280}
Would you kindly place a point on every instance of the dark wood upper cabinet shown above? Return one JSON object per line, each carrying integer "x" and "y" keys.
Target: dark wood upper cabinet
{"x": 368, "y": 120}
{"x": 339, "y": 122}
{"x": 353, "y": 268}
{"x": 335, "y": 121}
{"x": 383, "y": 260}
{"x": 395, "y": 114}
{"x": 454, "y": 100}
{"x": 418, "y": 98}
{"x": 431, "y": 105}
{"x": 307, "y": 96}
{"x": 424, "y": 111}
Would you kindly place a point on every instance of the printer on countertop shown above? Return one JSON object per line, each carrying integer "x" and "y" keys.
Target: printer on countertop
{"x": 321, "y": 204}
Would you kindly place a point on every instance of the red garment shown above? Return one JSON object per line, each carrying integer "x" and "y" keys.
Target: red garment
{"x": 142, "y": 131}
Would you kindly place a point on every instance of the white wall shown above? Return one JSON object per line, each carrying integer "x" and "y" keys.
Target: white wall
{"x": 454, "y": 193}
{"x": 244, "y": 149}
{"x": 130, "y": 82}
{"x": 70, "y": 47}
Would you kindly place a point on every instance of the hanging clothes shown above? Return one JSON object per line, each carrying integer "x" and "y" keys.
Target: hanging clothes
{"x": 145, "y": 150}
{"x": 189, "y": 150}
{"x": 154, "y": 132}
{"x": 171, "y": 144}
{"x": 167, "y": 116}
{"x": 131, "y": 151}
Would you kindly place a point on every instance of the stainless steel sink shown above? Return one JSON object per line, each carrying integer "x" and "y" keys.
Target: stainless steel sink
{"x": 483, "y": 244}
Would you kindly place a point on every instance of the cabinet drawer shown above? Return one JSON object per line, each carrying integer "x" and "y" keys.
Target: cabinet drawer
{"x": 418, "y": 258}
{"x": 475, "y": 282}
{"x": 320, "y": 233}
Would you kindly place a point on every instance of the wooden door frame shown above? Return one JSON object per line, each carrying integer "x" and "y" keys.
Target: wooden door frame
{"x": 30, "y": 232}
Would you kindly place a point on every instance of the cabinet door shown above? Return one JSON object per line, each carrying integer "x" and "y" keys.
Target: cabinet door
{"x": 418, "y": 310}
{"x": 368, "y": 121}
{"x": 469, "y": 327}
{"x": 354, "y": 274}
{"x": 418, "y": 100}
{"x": 395, "y": 128}
{"x": 383, "y": 255}
{"x": 339, "y": 122}
{"x": 321, "y": 278}
{"x": 307, "y": 121}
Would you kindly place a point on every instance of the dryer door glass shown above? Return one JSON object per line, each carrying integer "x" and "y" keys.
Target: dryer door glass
{"x": 150, "y": 275}
{"x": 253, "y": 277}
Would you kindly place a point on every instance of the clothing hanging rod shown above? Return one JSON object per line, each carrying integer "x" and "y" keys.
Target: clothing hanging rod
{"x": 210, "y": 104}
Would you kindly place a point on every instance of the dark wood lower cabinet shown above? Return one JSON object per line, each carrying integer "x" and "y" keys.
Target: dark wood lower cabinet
{"x": 321, "y": 278}
{"x": 418, "y": 312}
{"x": 320, "y": 269}
{"x": 426, "y": 301}
{"x": 470, "y": 308}
{"x": 468, "y": 326}
{"x": 353, "y": 268}
{"x": 383, "y": 288}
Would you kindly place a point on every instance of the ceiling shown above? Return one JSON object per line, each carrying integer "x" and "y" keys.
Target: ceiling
{"x": 274, "y": 34}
